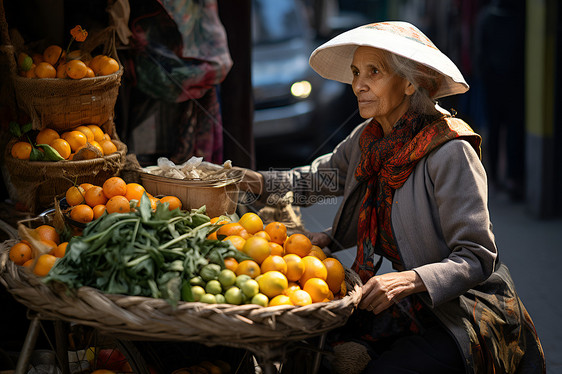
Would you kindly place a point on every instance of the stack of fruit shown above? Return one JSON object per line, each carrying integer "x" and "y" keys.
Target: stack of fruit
{"x": 284, "y": 270}
{"x": 89, "y": 202}
{"x": 83, "y": 142}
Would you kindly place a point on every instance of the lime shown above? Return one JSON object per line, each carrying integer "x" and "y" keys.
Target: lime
{"x": 260, "y": 299}
{"x": 26, "y": 63}
{"x": 197, "y": 281}
{"x": 241, "y": 279}
{"x": 197, "y": 292}
{"x": 208, "y": 299}
{"x": 213, "y": 287}
{"x": 227, "y": 278}
{"x": 250, "y": 288}
{"x": 220, "y": 298}
{"x": 234, "y": 296}
{"x": 210, "y": 271}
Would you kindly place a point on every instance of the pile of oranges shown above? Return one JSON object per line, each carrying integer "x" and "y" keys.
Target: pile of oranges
{"x": 22, "y": 254}
{"x": 88, "y": 201}
{"x": 288, "y": 269}
{"x": 55, "y": 63}
{"x": 85, "y": 142}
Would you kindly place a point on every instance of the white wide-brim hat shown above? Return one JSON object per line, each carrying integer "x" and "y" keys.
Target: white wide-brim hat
{"x": 332, "y": 60}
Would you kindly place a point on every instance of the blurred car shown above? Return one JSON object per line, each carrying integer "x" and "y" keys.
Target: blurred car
{"x": 294, "y": 107}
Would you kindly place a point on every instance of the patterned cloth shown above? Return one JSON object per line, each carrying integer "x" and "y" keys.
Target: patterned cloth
{"x": 386, "y": 163}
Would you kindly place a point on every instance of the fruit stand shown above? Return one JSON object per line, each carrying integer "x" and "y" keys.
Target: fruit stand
{"x": 134, "y": 255}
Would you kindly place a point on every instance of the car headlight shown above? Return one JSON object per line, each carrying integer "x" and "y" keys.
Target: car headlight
{"x": 301, "y": 89}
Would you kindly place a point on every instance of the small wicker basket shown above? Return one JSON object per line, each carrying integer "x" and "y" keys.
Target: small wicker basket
{"x": 219, "y": 196}
{"x": 252, "y": 327}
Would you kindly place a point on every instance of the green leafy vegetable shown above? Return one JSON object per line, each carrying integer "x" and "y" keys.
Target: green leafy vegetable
{"x": 144, "y": 252}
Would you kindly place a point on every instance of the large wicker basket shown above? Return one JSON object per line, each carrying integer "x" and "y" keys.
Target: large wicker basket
{"x": 62, "y": 104}
{"x": 251, "y": 327}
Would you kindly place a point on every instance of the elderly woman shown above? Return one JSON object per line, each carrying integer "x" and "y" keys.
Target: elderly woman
{"x": 414, "y": 192}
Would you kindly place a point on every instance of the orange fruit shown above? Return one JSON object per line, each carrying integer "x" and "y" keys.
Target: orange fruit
{"x": 76, "y": 69}
{"x": 95, "y": 196}
{"x": 251, "y": 222}
{"x": 51, "y": 245}
{"x": 47, "y": 232}
{"x": 298, "y": 244}
{"x": 52, "y": 53}
{"x": 97, "y": 145}
{"x": 317, "y": 252}
{"x": 276, "y": 249}
{"x": 20, "y": 253}
{"x": 317, "y": 289}
{"x": 300, "y": 298}
{"x": 86, "y": 186}
{"x": 99, "y": 210}
{"x": 28, "y": 263}
{"x": 232, "y": 228}
{"x": 174, "y": 202}
{"x": 292, "y": 287}
{"x": 257, "y": 248}
{"x": 153, "y": 202}
{"x": 107, "y": 66}
{"x": 313, "y": 268}
{"x": 44, "y": 264}
{"x": 248, "y": 267}
{"x": 61, "y": 71}
{"x": 108, "y": 147}
{"x": 277, "y": 232}
{"x": 295, "y": 267}
{"x": 273, "y": 283}
{"x": 75, "y": 195}
{"x": 215, "y": 221}
{"x": 60, "y": 250}
{"x": 37, "y": 58}
{"x": 336, "y": 274}
{"x": 46, "y": 136}
{"x": 76, "y": 139}
{"x": 45, "y": 70}
{"x": 89, "y": 73}
{"x": 95, "y": 63}
{"x": 114, "y": 186}
{"x": 97, "y": 131}
{"x": 263, "y": 234}
{"x": 231, "y": 263}
{"x": 21, "y": 150}
{"x": 82, "y": 213}
{"x": 237, "y": 241}
{"x": 212, "y": 236}
{"x": 134, "y": 191}
{"x": 280, "y": 300}
{"x": 274, "y": 263}
{"x": 86, "y": 131}
{"x": 31, "y": 72}
{"x": 118, "y": 204}
{"x": 62, "y": 147}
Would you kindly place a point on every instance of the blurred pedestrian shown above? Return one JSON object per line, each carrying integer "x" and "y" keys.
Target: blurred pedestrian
{"x": 500, "y": 47}
{"x": 414, "y": 192}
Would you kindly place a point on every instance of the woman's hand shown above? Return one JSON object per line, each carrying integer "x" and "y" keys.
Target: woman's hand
{"x": 381, "y": 291}
{"x": 320, "y": 239}
{"x": 252, "y": 181}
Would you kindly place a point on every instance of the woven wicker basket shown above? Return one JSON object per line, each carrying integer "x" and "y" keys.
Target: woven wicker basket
{"x": 218, "y": 196}
{"x": 36, "y": 183}
{"x": 62, "y": 104}
{"x": 140, "y": 318}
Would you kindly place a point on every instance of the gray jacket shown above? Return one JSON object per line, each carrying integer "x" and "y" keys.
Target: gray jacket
{"x": 440, "y": 220}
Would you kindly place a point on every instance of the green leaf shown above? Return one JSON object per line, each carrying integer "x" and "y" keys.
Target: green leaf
{"x": 26, "y": 128}
{"x": 51, "y": 154}
{"x": 15, "y": 129}
{"x": 145, "y": 208}
{"x": 36, "y": 155}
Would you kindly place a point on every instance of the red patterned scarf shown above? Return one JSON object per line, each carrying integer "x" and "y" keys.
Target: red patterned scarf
{"x": 386, "y": 163}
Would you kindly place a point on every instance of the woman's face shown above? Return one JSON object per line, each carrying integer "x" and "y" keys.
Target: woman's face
{"x": 380, "y": 92}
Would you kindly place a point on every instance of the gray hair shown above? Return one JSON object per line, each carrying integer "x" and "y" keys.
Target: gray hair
{"x": 426, "y": 81}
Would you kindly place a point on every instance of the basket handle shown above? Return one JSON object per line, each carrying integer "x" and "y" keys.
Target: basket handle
{"x": 7, "y": 46}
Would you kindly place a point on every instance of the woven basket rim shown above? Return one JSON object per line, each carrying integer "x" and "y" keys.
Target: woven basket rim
{"x": 231, "y": 179}
{"x": 144, "y": 318}
{"x": 70, "y": 82}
